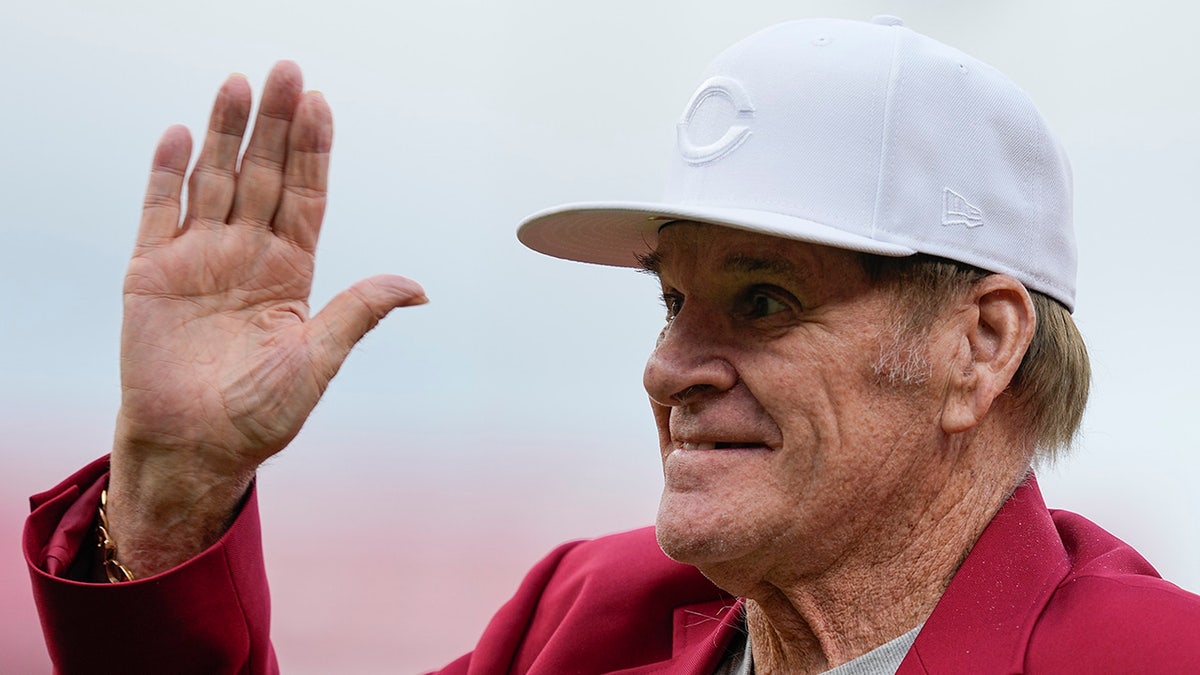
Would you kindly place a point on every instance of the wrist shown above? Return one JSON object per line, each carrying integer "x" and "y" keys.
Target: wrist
{"x": 163, "y": 510}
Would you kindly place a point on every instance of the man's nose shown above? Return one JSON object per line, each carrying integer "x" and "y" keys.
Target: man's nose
{"x": 689, "y": 363}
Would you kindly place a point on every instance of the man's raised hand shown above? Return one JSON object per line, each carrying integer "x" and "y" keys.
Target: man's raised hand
{"x": 220, "y": 361}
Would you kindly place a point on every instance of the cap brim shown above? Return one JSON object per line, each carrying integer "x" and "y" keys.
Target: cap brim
{"x": 617, "y": 233}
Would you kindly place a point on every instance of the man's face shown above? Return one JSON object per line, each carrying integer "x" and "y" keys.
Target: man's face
{"x": 782, "y": 445}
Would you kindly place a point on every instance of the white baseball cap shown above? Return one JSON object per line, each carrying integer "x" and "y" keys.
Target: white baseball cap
{"x": 856, "y": 135}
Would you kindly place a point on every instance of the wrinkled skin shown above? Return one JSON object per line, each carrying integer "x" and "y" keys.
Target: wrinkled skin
{"x": 836, "y": 499}
{"x": 221, "y": 362}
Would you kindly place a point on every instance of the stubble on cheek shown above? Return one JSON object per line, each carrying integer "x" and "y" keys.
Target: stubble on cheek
{"x": 903, "y": 359}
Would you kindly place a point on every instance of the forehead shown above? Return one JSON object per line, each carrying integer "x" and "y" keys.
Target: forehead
{"x": 687, "y": 249}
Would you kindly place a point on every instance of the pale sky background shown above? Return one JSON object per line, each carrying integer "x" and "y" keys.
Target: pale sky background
{"x": 465, "y": 438}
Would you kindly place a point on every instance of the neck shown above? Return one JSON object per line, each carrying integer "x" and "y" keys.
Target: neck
{"x": 883, "y": 587}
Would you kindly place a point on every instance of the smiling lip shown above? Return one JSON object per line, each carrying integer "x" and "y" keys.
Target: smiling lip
{"x": 719, "y": 445}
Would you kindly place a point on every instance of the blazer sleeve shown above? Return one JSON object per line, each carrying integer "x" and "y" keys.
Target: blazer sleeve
{"x": 211, "y": 614}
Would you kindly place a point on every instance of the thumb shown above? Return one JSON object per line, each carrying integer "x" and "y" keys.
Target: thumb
{"x": 334, "y": 331}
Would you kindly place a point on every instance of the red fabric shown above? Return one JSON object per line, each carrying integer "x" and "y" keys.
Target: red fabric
{"x": 1041, "y": 591}
{"x": 1051, "y": 592}
{"x": 209, "y": 615}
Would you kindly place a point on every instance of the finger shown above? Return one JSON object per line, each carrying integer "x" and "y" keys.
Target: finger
{"x": 211, "y": 188}
{"x": 261, "y": 176}
{"x": 335, "y": 330}
{"x": 306, "y": 175}
{"x": 161, "y": 207}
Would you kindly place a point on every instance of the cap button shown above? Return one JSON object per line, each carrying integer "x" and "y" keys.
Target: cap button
{"x": 887, "y": 20}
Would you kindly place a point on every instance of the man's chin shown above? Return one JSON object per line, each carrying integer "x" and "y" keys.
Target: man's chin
{"x": 677, "y": 548}
{"x": 692, "y": 539}
{"x": 715, "y": 556}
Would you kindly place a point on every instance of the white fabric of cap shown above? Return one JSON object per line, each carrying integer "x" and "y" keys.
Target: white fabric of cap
{"x": 863, "y": 136}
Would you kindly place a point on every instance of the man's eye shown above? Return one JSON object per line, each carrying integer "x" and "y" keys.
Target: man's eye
{"x": 760, "y": 304}
{"x": 673, "y": 302}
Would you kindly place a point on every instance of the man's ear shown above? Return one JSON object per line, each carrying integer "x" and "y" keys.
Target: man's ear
{"x": 993, "y": 330}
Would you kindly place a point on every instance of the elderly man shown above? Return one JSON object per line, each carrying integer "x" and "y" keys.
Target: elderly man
{"x": 867, "y": 266}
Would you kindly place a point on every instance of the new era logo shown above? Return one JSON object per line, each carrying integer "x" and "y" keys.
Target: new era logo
{"x": 956, "y": 210}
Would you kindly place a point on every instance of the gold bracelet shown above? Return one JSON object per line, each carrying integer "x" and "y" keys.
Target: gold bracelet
{"x": 113, "y": 568}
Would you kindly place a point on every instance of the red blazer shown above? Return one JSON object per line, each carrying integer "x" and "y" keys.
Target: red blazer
{"x": 1041, "y": 591}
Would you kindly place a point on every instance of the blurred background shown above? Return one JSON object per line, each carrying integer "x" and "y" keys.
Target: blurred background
{"x": 465, "y": 438}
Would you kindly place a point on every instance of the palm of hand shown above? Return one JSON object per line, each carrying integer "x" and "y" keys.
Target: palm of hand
{"x": 216, "y": 343}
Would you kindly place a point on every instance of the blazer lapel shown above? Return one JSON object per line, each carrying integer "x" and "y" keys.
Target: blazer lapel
{"x": 701, "y": 634}
{"x": 984, "y": 619}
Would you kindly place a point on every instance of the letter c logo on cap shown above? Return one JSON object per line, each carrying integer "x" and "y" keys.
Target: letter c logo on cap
{"x": 723, "y": 87}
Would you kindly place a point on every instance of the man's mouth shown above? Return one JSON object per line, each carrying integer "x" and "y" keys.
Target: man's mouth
{"x": 720, "y": 445}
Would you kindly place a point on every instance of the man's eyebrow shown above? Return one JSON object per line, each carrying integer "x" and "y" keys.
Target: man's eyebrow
{"x": 749, "y": 264}
{"x": 738, "y": 263}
